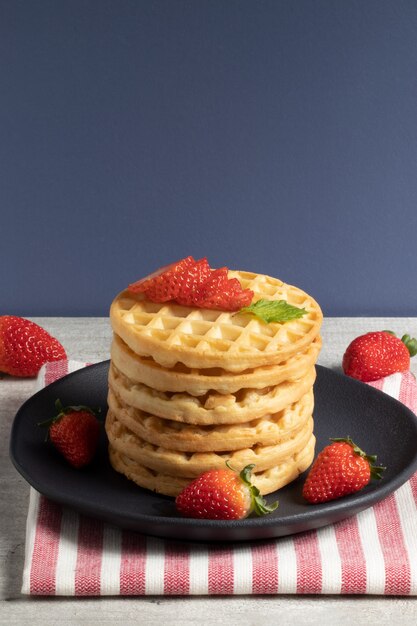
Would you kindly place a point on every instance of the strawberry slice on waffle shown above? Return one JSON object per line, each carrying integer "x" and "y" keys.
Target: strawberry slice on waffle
{"x": 194, "y": 276}
{"x": 164, "y": 284}
{"x": 221, "y": 292}
{"x": 194, "y": 283}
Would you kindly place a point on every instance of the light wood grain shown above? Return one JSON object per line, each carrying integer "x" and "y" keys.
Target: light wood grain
{"x": 88, "y": 339}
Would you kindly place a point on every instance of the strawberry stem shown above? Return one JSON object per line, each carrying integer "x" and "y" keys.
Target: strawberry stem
{"x": 61, "y": 411}
{"x": 376, "y": 471}
{"x": 258, "y": 502}
{"x": 259, "y": 505}
{"x": 245, "y": 474}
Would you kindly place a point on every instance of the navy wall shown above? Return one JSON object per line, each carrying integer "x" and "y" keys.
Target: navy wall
{"x": 273, "y": 136}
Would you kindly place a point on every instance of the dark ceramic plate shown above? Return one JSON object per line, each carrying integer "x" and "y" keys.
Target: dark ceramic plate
{"x": 343, "y": 406}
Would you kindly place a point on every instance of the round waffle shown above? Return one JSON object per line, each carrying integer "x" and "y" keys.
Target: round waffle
{"x": 189, "y": 465}
{"x": 212, "y": 408}
{"x": 198, "y": 382}
{"x": 267, "y": 481}
{"x": 171, "y": 435}
{"x": 203, "y": 338}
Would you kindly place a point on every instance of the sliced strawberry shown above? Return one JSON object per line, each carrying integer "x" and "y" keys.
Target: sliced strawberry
{"x": 242, "y": 297}
{"x": 194, "y": 283}
{"x": 194, "y": 278}
{"x": 213, "y": 289}
{"x": 221, "y": 292}
{"x": 164, "y": 284}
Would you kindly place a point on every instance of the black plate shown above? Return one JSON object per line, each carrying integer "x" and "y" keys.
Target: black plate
{"x": 343, "y": 406}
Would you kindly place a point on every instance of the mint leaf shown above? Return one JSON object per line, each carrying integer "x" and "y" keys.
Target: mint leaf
{"x": 274, "y": 311}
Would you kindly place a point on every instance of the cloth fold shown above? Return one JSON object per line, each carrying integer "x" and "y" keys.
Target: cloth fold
{"x": 374, "y": 552}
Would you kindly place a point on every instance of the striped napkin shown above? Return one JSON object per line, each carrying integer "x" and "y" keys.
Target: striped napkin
{"x": 374, "y": 552}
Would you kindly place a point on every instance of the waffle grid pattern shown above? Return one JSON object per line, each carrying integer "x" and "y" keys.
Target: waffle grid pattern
{"x": 203, "y": 338}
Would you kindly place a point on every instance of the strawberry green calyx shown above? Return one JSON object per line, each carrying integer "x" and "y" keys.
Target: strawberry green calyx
{"x": 61, "y": 411}
{"x": 376, "y": 470}
{"x": 410, "y": 344}
{"x": 259, "y": 506}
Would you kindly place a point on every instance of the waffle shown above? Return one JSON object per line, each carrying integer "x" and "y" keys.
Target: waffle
{"x": 203, "y": 338}
{"x": 197, "y": 382}
{"x": 190, "y": 465}
{"x": 171, "y": 435}
{"x": 267, "y": 481}
{"x": 192, "y": 388}
{"x": 212, "y": 408}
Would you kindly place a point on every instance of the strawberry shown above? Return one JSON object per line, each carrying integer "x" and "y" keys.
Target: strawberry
{"x": 341, "y": 468}
{"x": 74, "y": 432}
{"x": 25, "y": 346}
{"x": 222, "y": 494}
{"x": 194, "y": 276}
{"x": 194, "y": 283}
{"x": 221, "y": 292}
{"x": 378, "y": 354}
{"x": 164, "y": 284}
{"x": 241, "y": 297}
{"x": 211, "y": 291}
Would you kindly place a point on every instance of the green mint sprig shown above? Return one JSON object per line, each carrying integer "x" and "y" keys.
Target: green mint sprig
{"x": 274, "y": 311}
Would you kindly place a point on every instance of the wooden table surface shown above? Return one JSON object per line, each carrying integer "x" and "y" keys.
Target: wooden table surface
{"x": 88, "y": 339}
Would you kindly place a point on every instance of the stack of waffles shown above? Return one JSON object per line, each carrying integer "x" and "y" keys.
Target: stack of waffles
{"x": 191, "y": 388}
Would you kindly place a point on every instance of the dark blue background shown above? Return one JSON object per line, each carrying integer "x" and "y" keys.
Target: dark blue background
{"x": 273, "y": 136}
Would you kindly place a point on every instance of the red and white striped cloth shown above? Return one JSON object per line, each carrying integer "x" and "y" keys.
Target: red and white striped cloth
{"x": 375, "y": 552}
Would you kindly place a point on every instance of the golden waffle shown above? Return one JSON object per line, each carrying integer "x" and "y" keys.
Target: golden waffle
{"x": 198, "y": 382}
{"x": 171, "y": 435}
{"x": 192, "y": 464}
{"x": 212, "y": 408}
{"x": 203, "y": 338}
{"x": 267, "y": 481}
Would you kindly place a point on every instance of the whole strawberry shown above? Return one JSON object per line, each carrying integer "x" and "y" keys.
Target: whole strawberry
{"x": 378, "y": 354}
{"x": 25, "y": 346}
{"x": 74, "y": 432}
{"x": 340, "y": 468}
{"x": 222, "y": 494}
